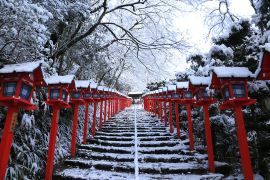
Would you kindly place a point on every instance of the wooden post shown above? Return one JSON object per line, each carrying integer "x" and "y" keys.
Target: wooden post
{"x": 208, "y": 134}
{"x": 7, "y": 138}
{"x": 85, "y": 127}
{"x": 100, "y": 113}
{"x": 109, "y": 110}
{"x": 190, "y": 128}
{"x": 171, "y": 123}
{"x": 74, "y": 130}
{"x": 161, "y": 114}
{"x": 94, "y": 119}
{"x": 177, "y": 120}
{"x": 165, "y": 115}
{"x": 243, "y": 144}
{"x": 105, "y": 111}
{"x": 53, "y": 134}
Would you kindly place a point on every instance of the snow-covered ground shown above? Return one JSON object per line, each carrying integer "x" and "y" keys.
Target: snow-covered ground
{"x": 136, "y": 145}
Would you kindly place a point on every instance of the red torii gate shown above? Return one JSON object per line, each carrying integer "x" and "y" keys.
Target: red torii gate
{"x": 232, "y": 82}
{"x": 198, "y": 86}
{"x": 17, "y": 85}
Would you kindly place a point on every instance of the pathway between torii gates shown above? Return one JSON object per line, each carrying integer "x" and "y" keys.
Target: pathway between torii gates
{"x": 135, "y": 145}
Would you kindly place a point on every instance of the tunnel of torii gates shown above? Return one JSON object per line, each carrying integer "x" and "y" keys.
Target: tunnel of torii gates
{"x": 18, "y": 82}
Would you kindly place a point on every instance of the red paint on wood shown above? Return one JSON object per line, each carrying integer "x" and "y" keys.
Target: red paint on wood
{"x": 74, "y": 131}
{"x": 208, "y": 134}
{"x": 94, "y": 119}
{"x": 171, "y": 123}
{"x": 100, "y": 114}
{"x": 177, "y": 119}
{"x": 190, "y": 128}
{"x": 7, "y": 138}
{"x": 243, "y": 145}
{"x": 85, "y": 127}
{"x": 53, "y": 134}
{"x": 105, "y": 111}
{"x": 165, "y": 115}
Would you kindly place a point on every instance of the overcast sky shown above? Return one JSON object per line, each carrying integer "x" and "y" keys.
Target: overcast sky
{"x": 192, "y": 24}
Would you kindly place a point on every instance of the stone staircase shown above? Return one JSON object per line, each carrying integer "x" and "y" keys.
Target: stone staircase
{"x": 110, "y": 155}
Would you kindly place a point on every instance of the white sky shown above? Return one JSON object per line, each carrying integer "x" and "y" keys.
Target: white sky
{"x": 192, "y": 23}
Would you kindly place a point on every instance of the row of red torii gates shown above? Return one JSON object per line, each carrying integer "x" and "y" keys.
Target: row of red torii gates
{"x": 18, "y": 82}
{"x": 231, "y": 82}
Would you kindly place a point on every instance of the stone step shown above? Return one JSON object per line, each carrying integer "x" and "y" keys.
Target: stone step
{"x": 111, "y": 143}
{"x": 155, "y": 134}
{"x": 88, "y": 154}
{"x": 125, "y": 134}
{"x": 102, "y": 165}
{"x": 165, "y": 150}
{"x": 72, "y": 173}
{"x": 156, "y": 138}
{"x": 159, "y": 144}
{"x": 110, "y": 149}
{"x": 113, "y": 138}
{"x": 116, "y": 130}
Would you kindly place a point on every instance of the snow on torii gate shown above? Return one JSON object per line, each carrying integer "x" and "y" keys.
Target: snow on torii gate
{"x": 17, "y": 85}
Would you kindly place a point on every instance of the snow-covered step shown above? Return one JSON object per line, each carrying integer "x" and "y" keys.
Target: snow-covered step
{"x": 180, "y": 176}
{"x": 111, "y": 143}
{"x": 111, "y": 153}
{"x": 158, "y": 144}
{"x": 125, "y": 134}
{"x": 116, "y": 131}
{"x": 113, "y": 138}
{"x": 86, "y": 174}
{"x": 156, "y": 138}
{"x": 191, "y": 167}
{"x": 172, "y": 158}
{"x": 88, "y": 154}
{"x": 112, "y": 149}
{"x": 155, "y": 134}
{"x": 163, "y": 150}
{"x": 102, "y": 165}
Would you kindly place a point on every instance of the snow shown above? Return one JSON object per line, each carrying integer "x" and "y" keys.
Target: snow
{"x": 258, "y": 70}
{"x": 82, "y": 83}
{"x": 100, "y": 88}
{"x": 226, "y": 50}
{"x": 28, "y": 67}
{"x": 135, "y": 92}
{"x": 93, "y": 85}
{"x": 199, "y": 80}
{"x": 267, "y": 47}
{"x": 67, "y": 79}
{"x": 164, "y": 89}
{"x": 136, "y": 162}
{"x": 182, "y": 85}
{"x": 171, "y": 87}
{"x": 227, "y": 72}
